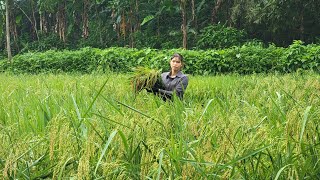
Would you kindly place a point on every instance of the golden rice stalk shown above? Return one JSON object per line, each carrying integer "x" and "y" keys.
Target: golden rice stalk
{"x": 144, "y": 78}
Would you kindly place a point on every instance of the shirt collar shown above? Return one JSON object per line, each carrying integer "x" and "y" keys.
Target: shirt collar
{"x": 179, "y": 74}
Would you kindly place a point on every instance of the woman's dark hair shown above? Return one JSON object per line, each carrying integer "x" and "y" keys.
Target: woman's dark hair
{"x": 178, "y": 56}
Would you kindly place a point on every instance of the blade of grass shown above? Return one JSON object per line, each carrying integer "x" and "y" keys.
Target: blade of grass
{"x": 29, "y": 149}
{"x": 246, "y": 156}
{"x": 136, "y": 110}
{"x": 83, "y": 128}
{"x": 124, "y": 140}
{"x": 142, "y": 113}
{"x": 114, "y": 106}
{"x": 27, "y": 175}
{"x": 95, "y": 98}
{"x": 112, "y": 121}
{"x": 160, "y": 165}
{"x": 63, "y": 167}
{"x": 104, "y": 150}
{"x": 38, "y": 160}
{"x": 77, "y": 108}
{"x": 279, "y": 172}
{"x": 278, "y": 107}
{"x": 154, "y": 157}
{"x": 304, "y": 122}
{"x": 205, "y": 110}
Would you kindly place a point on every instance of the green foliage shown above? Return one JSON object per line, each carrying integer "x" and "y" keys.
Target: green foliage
{"x": 46, "y": 42}
{"x": 219, "y": 36}
{"x": 147, "y": 19}
{"x": 246, "y": 59}
{"x": 93, "y": 127}
{"x": 171, "y": 41}
{"x": 84, "y": 60}
{"x": 157, "y": 24}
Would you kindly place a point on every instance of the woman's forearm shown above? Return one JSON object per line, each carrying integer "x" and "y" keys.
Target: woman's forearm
{"x": 166, "y": 92}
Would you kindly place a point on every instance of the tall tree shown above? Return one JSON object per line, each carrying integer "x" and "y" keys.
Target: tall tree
{"x": 184, "y": 23}
{"x": 8, "y": 32}
{"x": 33, "y": 19}
{"x": 194, "y": 16}
{"x": 215, "y": 11}
{"x": 61, "y": 20}
{"x": 29, "y": 12}
{"x": 85, "y": 19}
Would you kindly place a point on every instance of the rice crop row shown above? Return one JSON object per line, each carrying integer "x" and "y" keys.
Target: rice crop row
{"x": 96, "y": 127}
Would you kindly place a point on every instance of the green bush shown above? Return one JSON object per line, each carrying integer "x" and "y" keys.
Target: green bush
{"x": 246, "y": 59}
{"x": 219, "y": 36}
{"x": 46, "y": 42}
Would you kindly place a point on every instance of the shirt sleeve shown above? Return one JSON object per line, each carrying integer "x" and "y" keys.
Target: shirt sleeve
{"x": 179, "y": 89}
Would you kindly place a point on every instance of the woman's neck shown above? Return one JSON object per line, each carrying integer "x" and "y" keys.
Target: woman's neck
{"x": 173, "y": 73}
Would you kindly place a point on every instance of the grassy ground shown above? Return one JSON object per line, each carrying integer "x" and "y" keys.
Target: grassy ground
{"x": 94, "y": 126}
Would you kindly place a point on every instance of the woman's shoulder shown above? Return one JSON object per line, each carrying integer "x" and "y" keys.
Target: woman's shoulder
{"x": 181, "y": 74}
{"x": 164, "y": 74}
{"x": 167, "y": 72}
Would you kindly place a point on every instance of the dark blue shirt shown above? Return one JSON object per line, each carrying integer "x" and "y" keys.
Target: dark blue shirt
{"x": 177, "y": 84}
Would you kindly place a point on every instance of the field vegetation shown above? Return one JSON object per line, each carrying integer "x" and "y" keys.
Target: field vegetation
{"x": 75, "y": 77}
{"x": 95, "y": 126}
{"x": 249, "y": 58}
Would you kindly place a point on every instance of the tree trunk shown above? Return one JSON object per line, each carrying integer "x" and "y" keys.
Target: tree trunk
{"x": 61, "y": 21}
{"x": 8, "y": 32}
{"x": 116, "y": 26}
{"x": 193, "y": 8}
{"x": 184, "y": 23}
{"x": 85, "y": 21}
{"x": 34, "y": 21}
{"x": 13, "y": 31}
{"x": 215, "y": 11}
{"x": 137, "y": 25}
{"x": 99, "y": 26}
{"x": 123, "y": 26}
{"x": 301, "y": 28}
{"x": 194, "y": 17}
{"x": 131, "y": 25}
{"x": 43, "y": 23}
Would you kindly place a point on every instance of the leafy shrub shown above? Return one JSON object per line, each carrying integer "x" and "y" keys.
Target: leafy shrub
{"x": 245, "y": 59}
{"x": 83, "y": 60}
{"x": 46, "y": 42}
{"x": 219, "y": 36}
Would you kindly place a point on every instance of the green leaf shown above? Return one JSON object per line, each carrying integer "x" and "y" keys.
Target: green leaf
{"x": 105, "y": 149}
{"x": 147, "y": 19}
{"x": 304, "y": 122}
{"x": 18, "y": 19}
{"x": 279, "y": 172}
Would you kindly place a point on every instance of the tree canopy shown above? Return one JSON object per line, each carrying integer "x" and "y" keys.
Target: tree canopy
{"x": 70, "y": 24}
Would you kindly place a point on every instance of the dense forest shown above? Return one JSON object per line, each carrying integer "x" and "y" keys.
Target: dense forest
{"x": 38, "y": 25}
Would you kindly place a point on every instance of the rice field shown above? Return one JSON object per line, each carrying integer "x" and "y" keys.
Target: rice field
{"x": 72, "y": 126}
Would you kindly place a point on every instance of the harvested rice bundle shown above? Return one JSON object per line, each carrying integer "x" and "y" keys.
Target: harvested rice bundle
{"x": 145, "y": 78}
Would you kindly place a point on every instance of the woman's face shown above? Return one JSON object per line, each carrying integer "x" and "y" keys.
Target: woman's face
{"x": 176, "y": 64}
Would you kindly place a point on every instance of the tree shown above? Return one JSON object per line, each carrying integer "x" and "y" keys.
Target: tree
{"x": 215, "y": 11}
{"x": 44, "y": 24}
{"x": 8, "y": 32}
{"x": 85, "y": 19}
{"x": 184, "y": 23}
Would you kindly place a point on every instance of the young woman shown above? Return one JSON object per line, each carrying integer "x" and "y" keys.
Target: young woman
{"x": 173, "y": 81}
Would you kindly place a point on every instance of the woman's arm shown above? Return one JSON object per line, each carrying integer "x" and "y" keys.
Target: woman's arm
{"x": 179, "y": 89}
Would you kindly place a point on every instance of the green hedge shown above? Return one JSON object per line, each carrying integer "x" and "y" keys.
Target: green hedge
{"x": 249, "y": 58}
